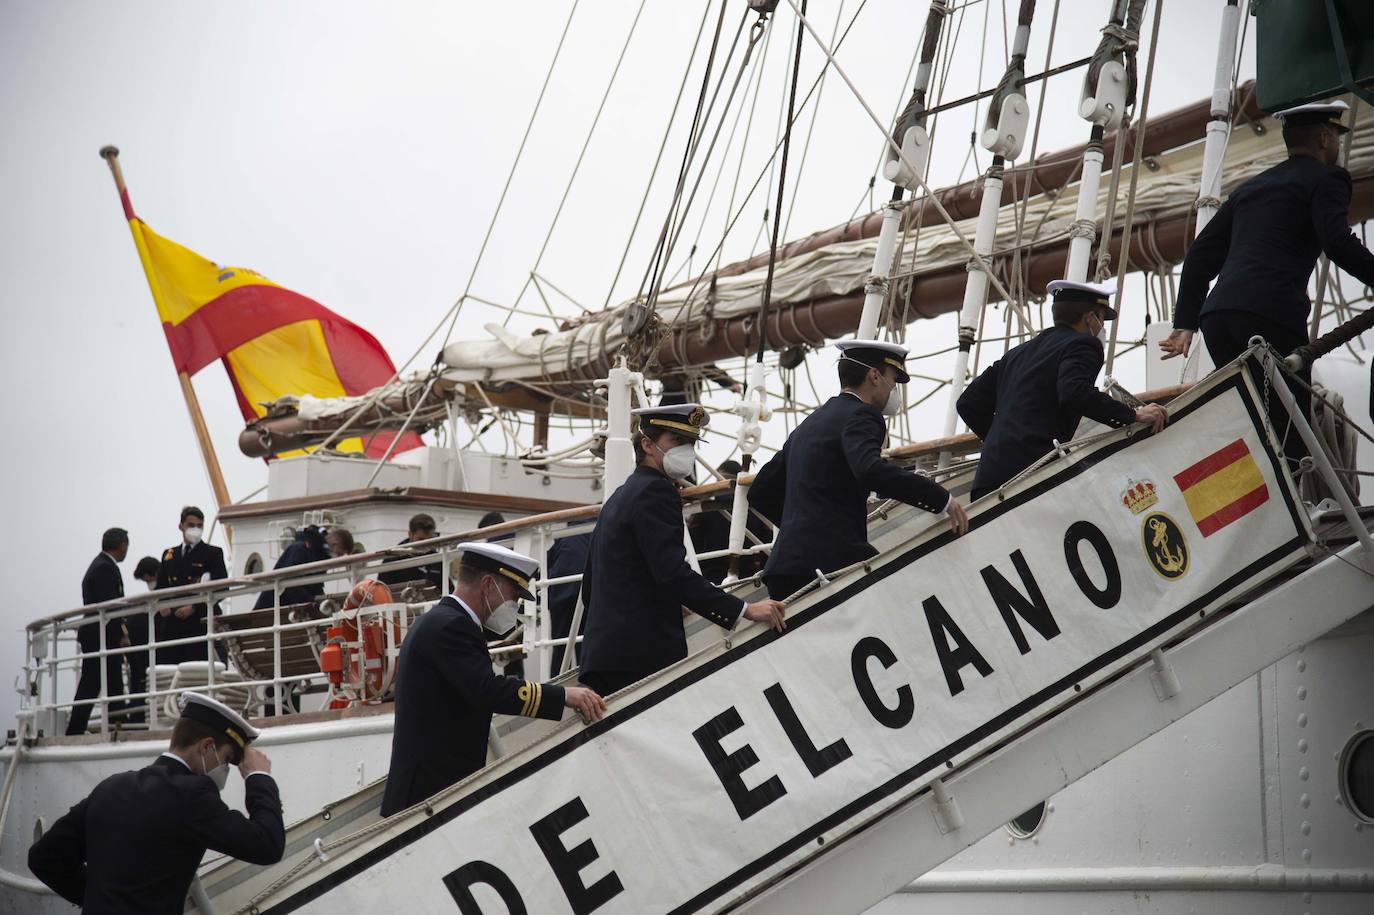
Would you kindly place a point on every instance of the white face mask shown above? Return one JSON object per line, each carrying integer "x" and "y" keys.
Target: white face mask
{"x": 893, "y": 406}
{"x": 193, "y": 535}
{"x": 678, "y": 461}
{"x": 219, "y": 774}
{"x": 502, "y": 618}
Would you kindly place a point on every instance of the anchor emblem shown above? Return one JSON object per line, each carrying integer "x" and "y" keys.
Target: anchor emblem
{"x": 1164, "y": 545}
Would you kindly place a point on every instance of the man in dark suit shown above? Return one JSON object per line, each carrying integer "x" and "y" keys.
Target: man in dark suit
{"x": 420, "y": 529}
{"x": 567, "y": 556}
{"x": 1264, "y": 242}
{"x": 816, "y": 488}
{"x": 189, "y": 563}
{"x": 307, "y": 546}
{"x": 446, "y": 690}
{"x": 1036, "y": 394}
{"x": 637, "y": 580}
{"x": 133, "y": 845}
{"x": 102, "y": 581}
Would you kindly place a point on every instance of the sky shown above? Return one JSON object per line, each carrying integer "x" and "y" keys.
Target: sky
{"x": 355, "y": 152}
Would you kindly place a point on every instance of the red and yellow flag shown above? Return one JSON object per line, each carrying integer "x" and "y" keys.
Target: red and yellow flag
{"x": 1223, "y": 487}
{"x": 273, "y": 342}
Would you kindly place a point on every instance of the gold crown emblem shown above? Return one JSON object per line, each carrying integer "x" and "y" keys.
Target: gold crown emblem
{"x": 697, "y": 417}
{"x": 1139, "y": 495}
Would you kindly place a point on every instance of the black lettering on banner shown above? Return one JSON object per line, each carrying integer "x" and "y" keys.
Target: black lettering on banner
{"x": 952, "y": 660}
{"x": 567, "y": 863}
{"x": 876, "y": 648}
{"x": 1030, "y": 606}
{"x": 817, "y": 761}
{"x": 460, "y": 883}
{"x": 1109, "y": 595}
{"x": 730, "y": 766}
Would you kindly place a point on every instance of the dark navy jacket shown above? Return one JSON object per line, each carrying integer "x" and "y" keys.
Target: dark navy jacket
{"x": 1264, "y": 242}
{"x": 446, "y": 693}
{"x": 181, "y": 566}
{"x": 817, "y": 488}
{"x": 1032, "y": 396}
{"x": 638, "y": 580}
{"x": 103, "y": 582}
{"x": 135, "y": 842}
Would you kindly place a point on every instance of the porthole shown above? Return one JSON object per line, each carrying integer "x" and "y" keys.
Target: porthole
{"x": 253, "y": 566}
{"x": 1028, "y": 823}
{"x": 1357, "y": 776}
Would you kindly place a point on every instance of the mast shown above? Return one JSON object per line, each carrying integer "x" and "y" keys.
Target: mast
{"x": 1107, "y": 87}
{"x": 207, "y": 448}
{"x": 1004, "y": 133}
{"x": 1219, "y": 127}
{"x": 915, "y": 139}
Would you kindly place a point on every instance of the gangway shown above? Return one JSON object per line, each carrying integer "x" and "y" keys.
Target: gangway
{"x": 914, "y": 704}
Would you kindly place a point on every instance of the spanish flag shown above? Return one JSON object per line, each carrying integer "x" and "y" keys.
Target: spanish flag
{"x": 273, "y": 342}
{"x": 1223, "y": 487}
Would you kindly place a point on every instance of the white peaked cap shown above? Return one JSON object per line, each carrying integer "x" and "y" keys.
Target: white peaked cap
{"x": 492, "y": 557}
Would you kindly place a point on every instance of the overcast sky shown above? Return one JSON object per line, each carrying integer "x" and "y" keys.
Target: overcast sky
{"x": 354, "y": 153}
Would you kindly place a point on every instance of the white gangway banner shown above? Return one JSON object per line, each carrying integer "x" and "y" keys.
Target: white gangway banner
{"x": 735, "y": 765}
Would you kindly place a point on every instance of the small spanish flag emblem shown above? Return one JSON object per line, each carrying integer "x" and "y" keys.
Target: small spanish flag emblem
{"x": 1223, "y": 487}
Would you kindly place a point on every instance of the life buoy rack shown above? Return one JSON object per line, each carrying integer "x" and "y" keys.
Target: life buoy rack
{"x": 359, "y": 653}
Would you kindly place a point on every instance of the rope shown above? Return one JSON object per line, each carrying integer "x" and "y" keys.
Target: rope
{"x": 658, "y": 160}
{"x": 782, "y": 182}
{"x": 452, "y": 314}
{"x": 577, "y": 166}
{"x": 1135, "y": 176}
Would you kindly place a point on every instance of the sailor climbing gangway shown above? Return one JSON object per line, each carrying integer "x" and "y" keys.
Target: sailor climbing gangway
{"x": 915, "y": 702}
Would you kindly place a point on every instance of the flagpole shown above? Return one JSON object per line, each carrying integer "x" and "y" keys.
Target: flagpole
{"x": 207, "y": 449}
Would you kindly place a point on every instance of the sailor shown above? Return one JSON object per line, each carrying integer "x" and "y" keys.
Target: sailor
{"x": 102, "y": 581}
{"x": 190, "y": 562}
{"x": 1036, "y": 394}
{"x": 420, "y": 529}
{"x": 1264, "y": 242}
{"x": 638, "y": 582}
{"x": 133, "y": 845}
{"x": 816, "y": 488}
{"x": 446, "y": 690}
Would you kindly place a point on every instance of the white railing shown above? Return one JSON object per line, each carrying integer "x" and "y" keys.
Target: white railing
{"x": 42, "y": 700}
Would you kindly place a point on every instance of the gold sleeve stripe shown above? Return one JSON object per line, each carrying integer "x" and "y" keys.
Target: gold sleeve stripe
{"x": 524, "y": 693}
{"x": 538, "y": 699}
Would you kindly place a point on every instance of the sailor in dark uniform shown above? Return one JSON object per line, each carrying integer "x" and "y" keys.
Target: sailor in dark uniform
{"x": 420, "y": 529}
{"x": 189, "y": 563}
{"x": 133, "y": 845}
{"x": 1036, "y": 394}
{"x": 1264, "y": 242}
{"x": 637, "y": 580}
{"x": 816, "y": 488}
{"x": 446, "y": 690}
{"x": 102, "y": 582}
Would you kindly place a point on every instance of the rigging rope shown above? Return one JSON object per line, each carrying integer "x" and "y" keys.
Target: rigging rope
{"x": 1135, "y": 176}
{"x": 577, "y": 166}
{"x": 658, "y": 160}
{"x": 782, "y": 183}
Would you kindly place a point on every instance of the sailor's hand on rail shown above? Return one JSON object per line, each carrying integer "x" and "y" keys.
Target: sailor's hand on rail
{"x": 164, "y": 612}
{"x": 958, "y": 518}
{"x": 1153, "y": 414}
{"x": 767, "y": 611}
{"x": 184, "y": 613}
{"x": 124, "y": 642}
{"x": 586, "y": 702}
{"x": 254, "y": 761}
{"x": 1176, "y": 344}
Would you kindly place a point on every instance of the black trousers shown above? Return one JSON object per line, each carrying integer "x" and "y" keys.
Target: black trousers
{"x": 1227, "y": 335}
{"x": 605, "y": 682}
{"x": 781, "y": 587}
{"x": 88, "y": 687}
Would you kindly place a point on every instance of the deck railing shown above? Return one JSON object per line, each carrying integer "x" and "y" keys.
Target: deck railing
{"x": 43, "y": 697}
